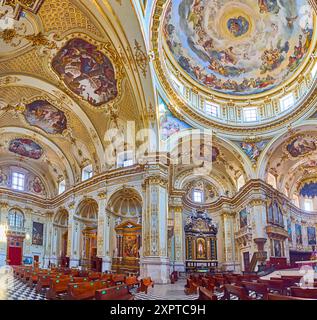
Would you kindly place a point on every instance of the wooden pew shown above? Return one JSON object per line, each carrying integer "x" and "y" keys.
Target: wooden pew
{"x": 132, "y": 281}
{"x": 208, "y": 283}
{"x": 304, "y": 292}
{"x": 274, "y": 285}
{"x": 239, "y": 292}
{"x": 272, "y": 296}
{"x": 120, "y": 292}
{"x": 258, "y": 288}
{"x": 44, "y": 281}
{"x": 191, "y": 287}
{"x": 35, "y": 277}
{"x": 59, "y": 287}
{"x": 205, "y": 294}
{"x": 117, "y": 279}
{"x": 84, "y": 290}
{"x": 145, "y": 284}
{"x": 94, "y": 275}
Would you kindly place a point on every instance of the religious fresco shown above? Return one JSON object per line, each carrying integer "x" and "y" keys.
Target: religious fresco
{"x": 301, "y": 145}
{"x": 42, "y": 114}
{"x": 37, "y": 233}
{"x": 169, "y": 124}
{"x": 36, "y": 185}
{"x": 86, "y": 71}
{"x": 311, "y": 236}
{"x": 309, "y": 190}
{"x": 243, "y": 217}
{"x": 289, "y": 230}
{"x": 253, "y": 149}
{"x": 277, "y": 248}
{"x": 298, "y": 233}
{"x": 26, "y": 148}
{"x": 239, "y": 47}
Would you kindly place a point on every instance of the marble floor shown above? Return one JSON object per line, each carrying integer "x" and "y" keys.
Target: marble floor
{"x": 166, "y": 292}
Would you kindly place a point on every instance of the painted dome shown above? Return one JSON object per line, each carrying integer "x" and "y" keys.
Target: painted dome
{"x": 243, "y": 47}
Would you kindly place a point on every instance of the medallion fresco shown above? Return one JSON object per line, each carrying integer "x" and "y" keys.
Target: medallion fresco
{"x": 86, "y": 71}
{"x": 311, "y": 235}
{"x": 298, "y": 233}
{"x": 243, "y": 216}
{"x": 169, "y": 124}
{"x": 26, "y": 148}
{"x": 301, "y": 145}
{"x": 253, "y": 149}
{"x": 289, "y": 230}
{"x": 239, "y": 47}
{"x": 42, "y": 114}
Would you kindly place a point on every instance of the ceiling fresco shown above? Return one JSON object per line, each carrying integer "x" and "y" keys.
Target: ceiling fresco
{"x": 240, "y": 47}
{"x": 42, "y": 114}
{"x": 26, "y": 148}
{"x": 86, "y": 71}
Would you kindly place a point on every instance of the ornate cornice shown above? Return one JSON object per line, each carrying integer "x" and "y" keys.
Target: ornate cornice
{"x": 276, "y": 232}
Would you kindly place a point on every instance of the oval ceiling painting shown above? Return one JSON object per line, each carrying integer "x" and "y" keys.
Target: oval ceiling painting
{"x": 26, "y": 148}
{"x": 86, "y": 71}
{"x": 42, "y": 114}
{"x": 239, "y": 47}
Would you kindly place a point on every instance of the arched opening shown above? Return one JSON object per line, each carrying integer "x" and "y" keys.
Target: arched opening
{"x": 87, "y": 219}
{"x": 126, "y": 208}
{"x": 60, "y": 238}
{"x": 15, "y": 236}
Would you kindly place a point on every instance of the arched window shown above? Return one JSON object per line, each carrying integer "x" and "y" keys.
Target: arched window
{"x": 198, "y": 195}
{"x": 271, "y": 180}
{"x": 240, "y": 182}
{"x": 15, "y": 219}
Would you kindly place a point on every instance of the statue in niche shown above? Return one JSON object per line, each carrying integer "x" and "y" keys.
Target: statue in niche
{"x": 118, "y": 221}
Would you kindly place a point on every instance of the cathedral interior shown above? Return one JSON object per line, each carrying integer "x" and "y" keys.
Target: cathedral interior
{"x": 194, "y": 172}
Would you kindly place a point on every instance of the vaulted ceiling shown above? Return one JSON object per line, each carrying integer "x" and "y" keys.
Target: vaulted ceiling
{"x": 64, "y": 99}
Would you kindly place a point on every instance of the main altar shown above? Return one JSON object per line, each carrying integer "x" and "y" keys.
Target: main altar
{"x": 201, "y": 243}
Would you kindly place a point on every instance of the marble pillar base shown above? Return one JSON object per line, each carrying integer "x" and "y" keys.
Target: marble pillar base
{"x": 231, "y": 266}
{"x": 106, "y": 264}
{"x": 178, "y": 266}
{"x": 73, "y": 262}
{"x": 157, "y": 268}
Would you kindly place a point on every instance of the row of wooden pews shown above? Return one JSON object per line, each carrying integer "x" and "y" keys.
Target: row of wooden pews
{"x": 248, "y": 287}
{"x": 74, "y": 284}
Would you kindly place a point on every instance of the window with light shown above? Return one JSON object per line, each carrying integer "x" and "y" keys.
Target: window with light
{"x": 250, "y": 114}
{"x": 18, "y": 180}
{"x": 87, "y": 172}
{"x": 198, "y": 196}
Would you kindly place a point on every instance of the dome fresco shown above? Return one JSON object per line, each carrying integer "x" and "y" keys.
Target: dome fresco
{"x": 239, "y": 47}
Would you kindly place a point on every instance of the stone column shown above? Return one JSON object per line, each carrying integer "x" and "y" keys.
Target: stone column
{"x": 49, "y": 253}
{"x": 231, "y": 261}
{"x": 4, "y": 207}
{"x": 103, "y": 233}
{"x": 73, "y": 250}
{"x": 28, "y": 225}
{"x": 259, "y": 235}
{"x": 179, "y": 240}
{"x": 155, "y": 262}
